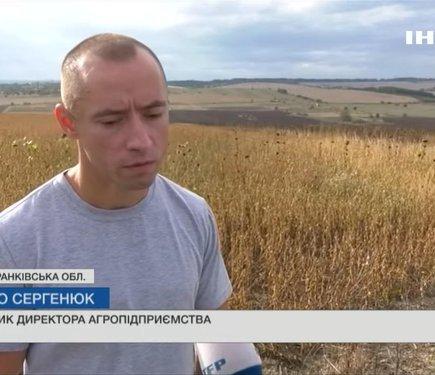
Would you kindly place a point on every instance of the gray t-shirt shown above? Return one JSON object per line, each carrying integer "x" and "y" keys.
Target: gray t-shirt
{"x": 162, "y": 253}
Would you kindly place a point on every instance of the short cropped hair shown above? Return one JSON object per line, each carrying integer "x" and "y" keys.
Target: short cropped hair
{"x": 107, "y": 46}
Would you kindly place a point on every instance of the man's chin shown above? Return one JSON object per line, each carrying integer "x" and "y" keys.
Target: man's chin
{"x": 139, "y": 183}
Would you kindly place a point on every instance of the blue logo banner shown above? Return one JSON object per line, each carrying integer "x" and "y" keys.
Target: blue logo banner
{"x": 54, "y": 298}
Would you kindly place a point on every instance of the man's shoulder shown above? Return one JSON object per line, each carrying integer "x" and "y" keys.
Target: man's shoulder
{"x": 179, "y": 194}
{"x": 28, "y": 206}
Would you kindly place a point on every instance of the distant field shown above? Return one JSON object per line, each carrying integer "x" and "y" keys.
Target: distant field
{"x": 27, "y": 103}
{"x": 418, "y": 123}
{"x": 21, "y": 99}
{"x": 423, "y": 85}
{"x": 29, "y": 108}
{"x": 234, "y": 117}
{"x": 188, "y": 98}
{"x": 329, "y": 95}
{"x": 411, "y": 109}
{"x": 297, "y": 106}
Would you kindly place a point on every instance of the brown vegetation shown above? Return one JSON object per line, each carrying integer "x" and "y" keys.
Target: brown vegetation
{"x": 308, "y": 220}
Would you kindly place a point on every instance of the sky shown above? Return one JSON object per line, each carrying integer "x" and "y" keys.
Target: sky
{"x": 224, "y": 39}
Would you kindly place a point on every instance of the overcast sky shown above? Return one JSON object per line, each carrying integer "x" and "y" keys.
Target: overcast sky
{"x": 227, "y": 39}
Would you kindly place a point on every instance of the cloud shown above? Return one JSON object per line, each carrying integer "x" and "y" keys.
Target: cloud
{"x": 225, "y": 39}
{"x": 370, "y": 17}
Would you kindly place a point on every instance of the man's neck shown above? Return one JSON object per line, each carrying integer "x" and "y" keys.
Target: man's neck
{"x": 101, "y": 194}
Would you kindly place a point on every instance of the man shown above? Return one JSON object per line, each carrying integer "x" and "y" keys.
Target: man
{"x": 154, "y": 243}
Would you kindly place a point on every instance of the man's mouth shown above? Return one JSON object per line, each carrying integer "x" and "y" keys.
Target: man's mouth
{"x": 140, "y": 164}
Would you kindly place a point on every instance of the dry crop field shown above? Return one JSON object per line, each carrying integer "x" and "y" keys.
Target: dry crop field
{"x": 328, "y": 95}
{"x": 307, "y": 219}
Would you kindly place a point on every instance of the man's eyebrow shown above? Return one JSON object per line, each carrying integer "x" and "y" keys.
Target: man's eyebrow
{"x": 109, "y": 111}
{"x": 155, "y": 103}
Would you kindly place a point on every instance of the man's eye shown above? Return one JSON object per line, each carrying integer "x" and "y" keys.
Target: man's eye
{"x": 110, "y": 122}
{"x": 154, "y": 115}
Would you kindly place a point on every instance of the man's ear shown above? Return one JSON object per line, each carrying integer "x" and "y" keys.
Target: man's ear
{"x": 65, "y": 120}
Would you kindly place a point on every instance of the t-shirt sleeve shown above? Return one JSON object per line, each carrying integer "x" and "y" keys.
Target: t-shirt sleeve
{"x": 214, "y": 284}
{"x": 7, "y": 262}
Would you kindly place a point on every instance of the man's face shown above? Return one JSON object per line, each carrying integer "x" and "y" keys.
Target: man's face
{"x": 122, "y": 120}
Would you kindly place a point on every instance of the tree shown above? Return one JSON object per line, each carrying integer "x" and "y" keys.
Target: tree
{"x": 345, "y": 115}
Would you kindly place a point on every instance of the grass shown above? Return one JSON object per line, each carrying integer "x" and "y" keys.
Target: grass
{"x": 307, "y": 220}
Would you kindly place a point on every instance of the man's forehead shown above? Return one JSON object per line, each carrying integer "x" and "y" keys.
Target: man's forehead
{"x": 84, "y": 64}
{"x": 97, "y": 80}
{"x": 89, "y": 63}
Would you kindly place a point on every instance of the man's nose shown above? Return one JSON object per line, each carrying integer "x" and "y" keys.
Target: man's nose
{"x": 138, "y": 133}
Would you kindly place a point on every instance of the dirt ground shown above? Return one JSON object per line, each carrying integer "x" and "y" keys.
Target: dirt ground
{"x": 233, "y": 117}
{"x": 422, "y": 123}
